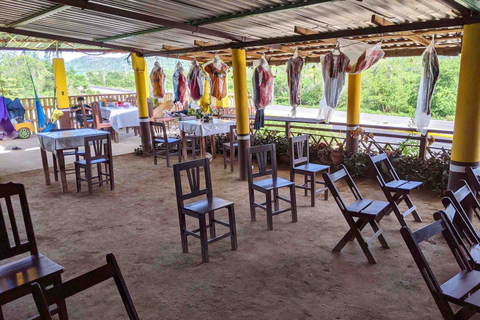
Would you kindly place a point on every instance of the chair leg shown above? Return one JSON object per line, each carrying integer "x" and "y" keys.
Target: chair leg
{"x": 203, "y": 238}
{"x": 194, "y": 148}
{"x": 409, "y": 203}
{"x": 1, "y": 314}
{"x": 313, "y": 185}
{"x": 251, "y": 195}
{"x": 55, "y": 167}
{"x": 326, "y": 189}
{"x": 293, "y": 200}
{"x": 183, "y": 236}
{"x": 89, "y": 180}
{"x": 224, "y": 158}
{"x": 275, "y": 200}
{"x": 77, "y": 178}
{"x": 382, "y": 240}
{"x": 167, "y": 154}
{"x": 359, "y": 224}
{"x": 269, "y": 210}
{"x": 305, "y": 179}
{"x": 99, "y": 171}
{"x": 154, "y": 152}
{"x": 232, "y": 158}
{"x": 233, "y": 227}
{"x": 62, "y": 306}
{"x": 110, "y": 172}
{"x": 211, "y": 217}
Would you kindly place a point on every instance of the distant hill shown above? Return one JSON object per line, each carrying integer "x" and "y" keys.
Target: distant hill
{"x": 118, "y": 63}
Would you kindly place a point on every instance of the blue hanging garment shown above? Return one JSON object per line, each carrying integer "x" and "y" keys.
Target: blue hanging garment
{"x": 7, "y": 130}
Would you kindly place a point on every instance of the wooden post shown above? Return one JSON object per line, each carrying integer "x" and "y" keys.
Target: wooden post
{"x": 423, "y": 146}
{"x": 353, "y": 110}
{"x": 466, "y": 134}
{"x": 287, "y": 129}
{"x": 139, "y": 66}
{"x": 241, "y": 108}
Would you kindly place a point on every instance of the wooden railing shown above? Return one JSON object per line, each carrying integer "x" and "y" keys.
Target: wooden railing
{"x": 385, "y": 138}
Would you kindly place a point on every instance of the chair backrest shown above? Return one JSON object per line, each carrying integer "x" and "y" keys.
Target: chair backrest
{"x": 84, "y": 116}
{"x": 158, "y": 130}
{"x": 97, "y": 115}
{"x": 464, "y": 199}
{"x": 9, "y": 191}
{"x": 262, "y": 154}
{"x": 98, "y": 147}
{"x": 330, "y": 180}
{"x": 413, "y": 239}
{"x": 473, "y": 175}
{"x": 299, "y": 150}
{"x": 233, "y": 135}
{"x": 46, "y": 297}
{"x": 382, "y": 160}
{"x": 193, "y": 169}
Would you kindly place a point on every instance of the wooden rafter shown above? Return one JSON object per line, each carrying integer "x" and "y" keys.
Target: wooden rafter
{"x": 381, "y": 21}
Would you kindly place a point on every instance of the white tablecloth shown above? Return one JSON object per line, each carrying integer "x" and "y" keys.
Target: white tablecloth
{"x": 204, "y": 129}
{"x": 58, "y": 140}
{"x": 121, "y": 117}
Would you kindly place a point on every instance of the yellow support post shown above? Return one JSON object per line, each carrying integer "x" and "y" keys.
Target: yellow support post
{"x": 224, "y": 102}
{"x": 241, "y": 108}
{"x": 60, "y": 84}
{"x": 205, "y": 101}
{"x": 141, "y": 83}
{"x": 353, "y": 110}
{"x": 466, "y": 134}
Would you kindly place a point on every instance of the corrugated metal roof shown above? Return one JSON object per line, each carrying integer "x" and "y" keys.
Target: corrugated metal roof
{"x": 324, "y": 17}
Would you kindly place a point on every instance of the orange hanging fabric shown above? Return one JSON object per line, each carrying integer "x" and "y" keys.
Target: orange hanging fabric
{"x": 217, "y": 70}
{"x": 158, "y": 81}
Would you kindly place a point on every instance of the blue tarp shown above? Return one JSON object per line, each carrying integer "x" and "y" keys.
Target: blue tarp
{"x": 15, "y": 109}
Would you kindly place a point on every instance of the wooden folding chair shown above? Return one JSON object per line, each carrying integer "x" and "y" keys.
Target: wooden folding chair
{"x": 46, "y": 297}
{"x": 300, "y": 163}
{"x": 396, "y": 190}
{"x": 366, "y": 211}
{"x": 473, "y": 177}
{"x": 18, "y": 273}
{"x": 461, "y": 289}
{"x": 267, "y": 186}
{"x": 465, "y": 201}
{"x": 200, "y": 208}
{"x": 159, "y": 139}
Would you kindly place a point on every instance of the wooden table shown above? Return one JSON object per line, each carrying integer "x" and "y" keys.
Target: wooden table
{"x": 58, "y": 141}
{"x": 203, "y": 130}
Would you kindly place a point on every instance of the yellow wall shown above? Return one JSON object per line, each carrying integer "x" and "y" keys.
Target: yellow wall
{"x": 60, "y": 83}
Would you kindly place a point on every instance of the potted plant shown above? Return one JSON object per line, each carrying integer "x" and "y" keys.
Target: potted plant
{"x": 337, "y": 154}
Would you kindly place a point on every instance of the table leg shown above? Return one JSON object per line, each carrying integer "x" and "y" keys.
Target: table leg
{"x": 213, "y": 147}
{"x": 45, "y": 166}
{"x": 203, "y": 147}
{"x": 63, "y": 174}
{"x": 184, "y": 145}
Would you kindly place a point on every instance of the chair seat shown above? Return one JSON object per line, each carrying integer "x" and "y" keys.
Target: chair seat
{"x": 84, "y": 162}
{"x": 227, "y": 144}
{"x": 461, "y": 284}
{"x": 311, "y": 167}
{"x": 367, "y": 207}
{"x": 207, "y": 205}
{"x": 169, "y": 140}
{"x": 404, "y": 185}
{"x": 25, "y": 271}
{"x": 270, "y": 184}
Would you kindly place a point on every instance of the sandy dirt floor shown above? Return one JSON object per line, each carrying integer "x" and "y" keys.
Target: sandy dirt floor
{"x": 287, "y": 273}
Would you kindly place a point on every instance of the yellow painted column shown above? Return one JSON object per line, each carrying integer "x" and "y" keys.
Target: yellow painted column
{"x": 353, "y": 110}
{"x": 205, "y": 101}
{"x": 147, "y": 82}
{"x": 466, "y": 135}
{"x": 241, "y": 108}
{"x": 61, "y": 83}
{"x": 141, "y": 83}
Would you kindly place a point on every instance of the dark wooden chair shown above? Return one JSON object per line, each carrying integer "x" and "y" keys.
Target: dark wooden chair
{"x": 473, "y": 177}
{"x": 364, "y": 210}
{"x": 464, "y": 231}
{"x": 88, "y": 120}
{"x": 300, "y": 164}
{"x": 200, "y": 208}
{"x": 268, "y": 186}
{"x": 17, "y": 274}
{"x": 465, "y": 201}
{"x": 193, "y": 139}
{"x": 101, "y": 124}
{"x": 101, "y": 154}
{"x": 66, "y": 152}
{"x": 46, "y": 297}
{"x": 396, "y": 190}
{"x": 461, "y": 289}
{"x": 230, "y": 147}
{"x": 161, "y": 139}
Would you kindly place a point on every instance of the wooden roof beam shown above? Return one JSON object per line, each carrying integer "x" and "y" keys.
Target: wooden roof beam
{"x": 85, "y": 5}
{"x": 381, "y": 21}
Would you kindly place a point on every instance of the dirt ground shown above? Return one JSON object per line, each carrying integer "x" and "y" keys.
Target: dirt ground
{"x": 287, "y": 273}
